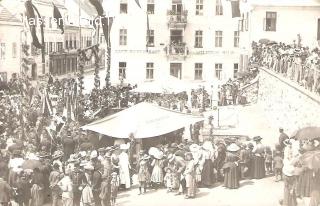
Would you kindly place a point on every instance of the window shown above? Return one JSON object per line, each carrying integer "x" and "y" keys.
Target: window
{"x": 123, "y": 8}
{"x": 67, "y": 45}
{"x": 75, "y": 43}
{"x": 198, "y": 71}
{"x": 50, "y": 47}
{"x": 150, "y": 7}
{"x": 14, "y": 50}
{"x": 2, "y": 50}
{"x": 270, "y": 21}
{"x": 235, "y": 70}
{"x": 149, "y": 71}
{"x": 59, "y": 46}
{"x": 218, "y": 42}
{"x": 198, "y": 39}
{"x": 150, "y": 38}
{"x": 122, "y": 70}
{"x": 219, "y": 8}
{"x": 218, "y": 69}
{"x": 236, "y": 38}
{"x": 199, "y": 7}
{"x": 123, "y": 37}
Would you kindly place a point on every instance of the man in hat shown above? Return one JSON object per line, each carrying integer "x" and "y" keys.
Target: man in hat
{"x": 96, "y": 182}
{"x": 283, "y": 136}
{"x": 68, "y": 146}
{"x": 180, "y": 166}
{"x": 76, "y": 175}
{"x": 54, "y": 179}
{"x": 5, "y": 192}
{"x": 105, "y": 191}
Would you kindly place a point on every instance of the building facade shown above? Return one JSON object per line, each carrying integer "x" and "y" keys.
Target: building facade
{"x": 280, "y": 21}
{"x": 191, "y": 40}
{"x": 9, "y": 46}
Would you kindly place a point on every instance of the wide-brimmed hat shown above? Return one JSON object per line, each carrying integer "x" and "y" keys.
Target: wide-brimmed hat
{"x": 174, "y": 145}
{"x": 146, "y": 157}
{"x": 256, "y": 138}
{"x": 57, "y": 154}
{"x": 158, "y": 155}
{"x": 233, "y": 148}
{"x": 207, "y": 145}
{"x": 93, "y": 154}
{"x": 83, "y": 153}
{"x": 194, "y": 148}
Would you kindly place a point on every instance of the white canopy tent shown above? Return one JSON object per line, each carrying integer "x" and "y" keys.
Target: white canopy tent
{"x": 143, "y": 120}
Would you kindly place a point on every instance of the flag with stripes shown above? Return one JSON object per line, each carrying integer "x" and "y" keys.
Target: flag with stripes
{"x": 47, "y": 109}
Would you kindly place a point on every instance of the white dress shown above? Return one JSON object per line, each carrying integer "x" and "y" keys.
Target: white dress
{"x": 124, "y": 167}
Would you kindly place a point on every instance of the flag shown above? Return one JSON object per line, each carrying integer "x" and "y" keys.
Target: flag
{"x": 31, "y": 16}
{"x": 235, "y": 6}
{"x": 148, "y": 32}
{"x": 106, "y": 27}
{"x": 58, "y": 17}
{"x": 47, "y": 109}
{"x": 137, "y": 1}
{"x": 98, "y": 6}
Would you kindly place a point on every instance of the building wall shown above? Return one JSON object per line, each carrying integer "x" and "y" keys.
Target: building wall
{"x": 136, "y": 57}
{"x": 285, "y": 103}
{"x": 9, "y": 63}
{"x": 291, "y": 21}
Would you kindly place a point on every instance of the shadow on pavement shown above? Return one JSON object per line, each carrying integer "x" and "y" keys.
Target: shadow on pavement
{"x": 202, "y": 194}
{"x": 247, "y": 182}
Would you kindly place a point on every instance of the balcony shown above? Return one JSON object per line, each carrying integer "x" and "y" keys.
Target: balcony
{"x": 177, "y": 51}
{"x": 177, "y": 19}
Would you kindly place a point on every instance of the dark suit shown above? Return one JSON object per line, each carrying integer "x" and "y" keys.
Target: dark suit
{"x": 5, "y": 192}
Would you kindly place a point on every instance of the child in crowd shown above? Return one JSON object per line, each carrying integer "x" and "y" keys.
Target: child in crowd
{"x": 168, "y": 179}
{"x": 268, "y": 160}
{"x": 278, "y": 165}
{"x": 115, "y": 182}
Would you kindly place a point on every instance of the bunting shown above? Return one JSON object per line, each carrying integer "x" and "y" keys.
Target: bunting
{"x": 138, "y": 3}
{"x": 31, "y": 18}
{"x": 98, "y": 6}
{"x": 58, "y": 17}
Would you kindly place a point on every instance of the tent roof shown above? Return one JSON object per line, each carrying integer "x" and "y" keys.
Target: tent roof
{"x": 143, "y": 120}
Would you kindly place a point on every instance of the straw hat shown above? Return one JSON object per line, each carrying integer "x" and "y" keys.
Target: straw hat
{"x": 257, "y": 138}
{"x": 158, "y": 155}
{"x": 233, "y": 148}
{"x": 94, "y": 154}
{"x": 57, "y": 154}
{"x": 194, "y": 148}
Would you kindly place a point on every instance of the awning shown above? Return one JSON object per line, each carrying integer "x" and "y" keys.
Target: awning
{"x": 143, "y": 120}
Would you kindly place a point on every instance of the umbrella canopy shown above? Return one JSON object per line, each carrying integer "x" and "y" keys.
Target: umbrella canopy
{"x": 264, "y": 41}
{"x": 307, "y": 133}
{"x": 31, "y": 164}
{"x": 311, "y": 159}
{"x": 142, "y": 120}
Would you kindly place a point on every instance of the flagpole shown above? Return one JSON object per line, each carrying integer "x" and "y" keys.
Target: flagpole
{"x": 80, "y": 24}
{"x": 42, "y": 40}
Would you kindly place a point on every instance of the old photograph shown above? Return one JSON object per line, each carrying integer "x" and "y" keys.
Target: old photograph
{"x": 159, "y": 102}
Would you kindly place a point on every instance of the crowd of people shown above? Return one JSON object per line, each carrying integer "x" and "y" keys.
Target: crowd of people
{"x": 298, "y": 63}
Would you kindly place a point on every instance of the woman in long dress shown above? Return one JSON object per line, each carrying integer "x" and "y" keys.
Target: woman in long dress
{"x": 86, "y": 186}
{"x": 207, "y": 174}
{"x": 157, "y": 173}
{"x": 124, "y": 169}
{"x": 258, "y": 159}
{"x": 231, "y": 168}
{"x": 190, "y": 176}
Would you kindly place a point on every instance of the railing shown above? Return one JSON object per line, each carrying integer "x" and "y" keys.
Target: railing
{"x": 175, "y": 18}
{"x": 177, "y": 50}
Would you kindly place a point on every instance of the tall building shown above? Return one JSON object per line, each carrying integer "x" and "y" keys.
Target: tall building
{"x": 191, "y": 40}
{"x": 278, "y": 20}
{"x": 10, "y": 31}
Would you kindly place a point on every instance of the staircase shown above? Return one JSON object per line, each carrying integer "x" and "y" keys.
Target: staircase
{"x": 250, "y": 91}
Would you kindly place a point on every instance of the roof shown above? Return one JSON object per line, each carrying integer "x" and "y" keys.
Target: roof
{"x": 287, "y": 3}
{"x": 143, "y": 120}
{"x": 6, "y": 15}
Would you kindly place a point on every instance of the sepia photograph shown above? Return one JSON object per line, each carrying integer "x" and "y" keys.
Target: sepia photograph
{"x": 159, "y": 102}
